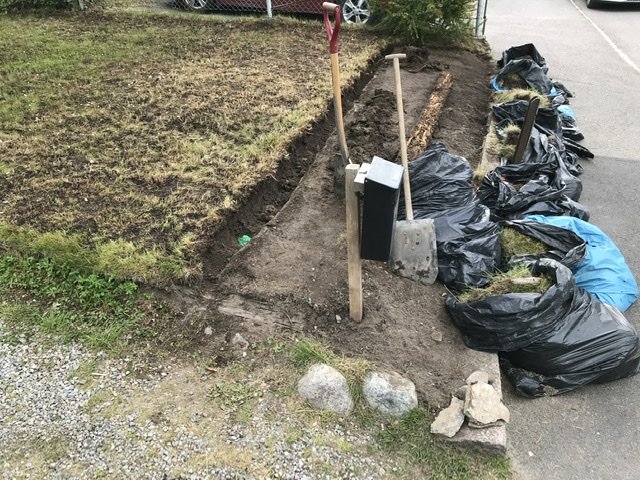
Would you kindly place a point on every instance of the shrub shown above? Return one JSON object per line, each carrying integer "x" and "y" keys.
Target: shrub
{"x": 421, "y": 21}
{"x": 19, "y": 5}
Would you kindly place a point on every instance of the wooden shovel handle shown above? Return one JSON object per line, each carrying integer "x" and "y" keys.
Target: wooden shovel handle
{"x": 403, "y": 138}
{"x": 337, "y": 102}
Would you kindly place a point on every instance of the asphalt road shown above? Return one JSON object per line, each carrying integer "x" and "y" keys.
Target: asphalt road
{"x": 594, "y": 433}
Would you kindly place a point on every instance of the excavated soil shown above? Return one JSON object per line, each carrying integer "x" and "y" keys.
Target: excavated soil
{"x": 292, "y": 278}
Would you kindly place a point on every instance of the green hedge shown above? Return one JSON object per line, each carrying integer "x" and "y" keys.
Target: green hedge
{"x": 421, "y": 21}
{"x": 19, "y": 5}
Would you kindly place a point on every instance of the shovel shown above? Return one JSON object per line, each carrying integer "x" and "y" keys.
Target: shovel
{"x": 333, "y": 31}
{"x": 413, "y": 248}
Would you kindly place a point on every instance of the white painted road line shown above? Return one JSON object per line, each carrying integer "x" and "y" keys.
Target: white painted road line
{"x": 608, "y": 39}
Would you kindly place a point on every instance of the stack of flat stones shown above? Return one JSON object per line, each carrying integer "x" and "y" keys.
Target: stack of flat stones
{"x": 478, "y": 402}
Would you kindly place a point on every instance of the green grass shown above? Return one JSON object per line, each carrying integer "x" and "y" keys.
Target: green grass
{"x": 84, "y": 373}
{"x": 98, "y": 398}
{"x": 136, "y": 133}
{"x": 116, "y": 258}
{"x": 504, "y": 145}
{"x": 43, "y": 59}
{"x": 411, "y": 437}
{"x": 520, "y": 94}
{"x": 98, "y": 311}
{"x": 233, "y": 395}
{"x": 502, "y": 283}
{"x": 511, "y": 134}
{"x": 499, "y": 148}
{"x": 307, "y": 352}
{"x": 515, "y": 243}
{"x": 51, "y": 449}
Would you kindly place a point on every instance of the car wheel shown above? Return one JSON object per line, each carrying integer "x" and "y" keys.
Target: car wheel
{"x": 593, "y": 4}
{"x": 197, "y": 5}
{"x": 356, "y": 11}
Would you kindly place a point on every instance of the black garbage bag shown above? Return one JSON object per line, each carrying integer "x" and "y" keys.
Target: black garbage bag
{"x": 549, "y": 122}
{"x": 562, "y": 90}
{"x": 439, "y": 181}
{"x": 554, "y": 341}
{"x": 515, "y": 191}
{"x": 565, "y": 145}
{"x": 541, "y": 149}
{"x": 573, "y": 185}
{"x": 563, "y": 245}
{"x": 468, "y": 242}
{"x": 528, "y": 72}
{"x": 515, "y": 320}
{"x": 545, "y": 146}
{"x": 594, "y": 343}
{"x": 515, "y": 112}
{"x": 580, "y": 150}
{"x": 468, "y": 246}
{"x": 528, "y": 51}
{"x": 570, "y": 129}
{"x": 571, "y": 162}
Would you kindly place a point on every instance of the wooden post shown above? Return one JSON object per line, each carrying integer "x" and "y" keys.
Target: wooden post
{"x": 527, "y": 128}
{"x": 353, "y": 243}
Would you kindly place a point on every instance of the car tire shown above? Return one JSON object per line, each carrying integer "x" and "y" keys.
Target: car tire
{"x": 593, "y": 4}
{"x": 356, "y": 11}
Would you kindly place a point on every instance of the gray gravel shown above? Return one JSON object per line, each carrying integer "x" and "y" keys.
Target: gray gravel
{"x": 66, "y": 412}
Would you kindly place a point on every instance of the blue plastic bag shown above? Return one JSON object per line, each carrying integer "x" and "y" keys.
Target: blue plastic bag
{"x": 603, "y": 272}
{"x": 567, "y": 111}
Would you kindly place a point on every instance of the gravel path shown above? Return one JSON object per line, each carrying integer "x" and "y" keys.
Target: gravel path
{"x": 66, "y": 412}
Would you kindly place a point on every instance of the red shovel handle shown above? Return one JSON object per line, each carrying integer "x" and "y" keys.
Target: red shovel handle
{"x": 332, "y": 30}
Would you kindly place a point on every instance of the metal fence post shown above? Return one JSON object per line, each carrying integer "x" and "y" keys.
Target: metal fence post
{"x": 481, "y": 18}
{"x": 269, "y": 9}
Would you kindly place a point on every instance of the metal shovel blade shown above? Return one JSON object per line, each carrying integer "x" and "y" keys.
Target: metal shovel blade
{"x": 413, "y": 251}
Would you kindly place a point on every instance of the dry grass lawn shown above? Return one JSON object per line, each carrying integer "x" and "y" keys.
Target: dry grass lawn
{"x": 135, "y": 133}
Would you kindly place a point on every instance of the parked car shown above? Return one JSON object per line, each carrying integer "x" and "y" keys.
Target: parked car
{"x": 599, "y": 3}
{"x": 353, "y": 11}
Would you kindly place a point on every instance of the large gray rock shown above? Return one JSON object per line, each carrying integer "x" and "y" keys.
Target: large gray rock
{"x": 390, "y": 393}
{"x": 492, "y": 440}
{"x": 483, "y": 406}
{"x": 325, "y": 388}
{"x": 449, "y": 420}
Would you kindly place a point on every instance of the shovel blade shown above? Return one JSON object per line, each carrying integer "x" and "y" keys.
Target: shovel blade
{"x": 413, "y": 251}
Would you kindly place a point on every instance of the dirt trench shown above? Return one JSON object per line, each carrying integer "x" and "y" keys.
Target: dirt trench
{"x": 291, "y": 280}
